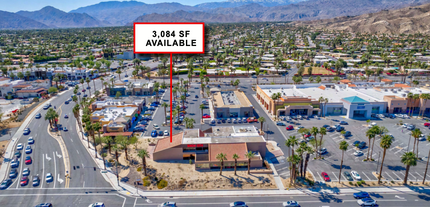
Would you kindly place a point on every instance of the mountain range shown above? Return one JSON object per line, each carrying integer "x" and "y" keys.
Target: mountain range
{"x": 117, "y": 13}
{"x": 407, "y": 20}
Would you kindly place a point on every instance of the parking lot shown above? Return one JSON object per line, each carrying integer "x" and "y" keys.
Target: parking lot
{"x": 393, "y": 168}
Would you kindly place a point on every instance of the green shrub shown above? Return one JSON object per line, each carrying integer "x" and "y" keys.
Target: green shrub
{"x": 363, "y": 182}
{"x": 162, "y": 184}
{"x": 139, "y": 169}
{"x": 146, "y": 183}
{"x": 350, "y": 183}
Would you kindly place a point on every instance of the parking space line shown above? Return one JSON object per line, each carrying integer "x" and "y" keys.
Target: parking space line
{"x": 319, "y": 175}
{"x": 397, "y": 176}
{"x": 337, "y": 179}
{"x": 350, "y": 149}
{"x": 366, "y": 176}
{"x": 389, "y": 175}
{"x": 419, "y": 175}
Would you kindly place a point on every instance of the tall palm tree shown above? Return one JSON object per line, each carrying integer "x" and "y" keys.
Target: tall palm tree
{"x": 291, "y": 142}
{"x": 294, "y": 160}
{"x": 322, "y": 132}
{"x": 116, "y": 149}
{"x": 385, "y": 143}
{"x": 165, "y": 105}
{"x": 343, "y": 145}
{"x": 416, "y": 133}
{"x": 221, "y": 157}
{"x": 249, "y": 155}
{"x": 427, "y": 165}
{"x": 51, "y": 116}
{"x": 409, "y": 159}
{"x": 90, "y": 130}
{"x": 261, "y": 120}
{"x": 370, "y": 133}
{"x": 104, "y": 155}
{"x": 309, "y": 151}
{"x": 123, "y": 141}
{"x": 108, "y": 140}
{"x": 235, "y": 157}
{"x": 143, "y": 153}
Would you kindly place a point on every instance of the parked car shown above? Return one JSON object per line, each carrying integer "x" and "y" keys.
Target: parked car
{"x": 66, "y": 116}
{"x": 361, "y": 195}
{"x": 405, "y": 125}
{"x": 290, "y": 127}
{"x": 98, "y": 204}
{"x": 347, "y": 176}
{"x": 166, "y": 133}
{"x": 356, "y": 143}
{"x": 5, "y": 184}
{"x": 355, "y": 175}
{"x": 290, "y": 204}
{"x": 322, "y": 151}
{"x": 252, "y": 119}
{"x": 366, "y": 202}
{"x": 373, "y": 124}
{"x": 238, "y": 204}
{"x": 280, "y": 123}
{"x": 362, "y": 145}
{"x": 343, "y": 123}
{"x": 347, "y": 134}
{"x": 325, "y": 176}
{"x": 65, "y": 129}
{"x": 160, "y": 133}
{"x": 358, "y": 153}
{"x": 340, "y": 128}
{"x": 155, "y": 126}
{"x": 206, "y": 116}
{"x": 13, "y": 173}
{"x": 427, "y": 124}
{"x": 154, "y": 133}
{"x": 411, "y": 127}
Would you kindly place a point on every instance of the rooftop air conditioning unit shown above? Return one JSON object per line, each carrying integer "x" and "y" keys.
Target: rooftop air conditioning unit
{"x": 404, "y": 95}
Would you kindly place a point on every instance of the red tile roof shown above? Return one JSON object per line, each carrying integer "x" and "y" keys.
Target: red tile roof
{"x": 22, "y": 86}
{"x": 165, "y": 143}
{"x": 113, "y": 134}
{"x": 228, "y": 149}
{"x": 39, "y": 90}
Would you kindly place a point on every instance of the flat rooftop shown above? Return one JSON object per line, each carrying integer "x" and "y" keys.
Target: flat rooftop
{"x": 232, "y": 99}
{"x": 223, "y": 134}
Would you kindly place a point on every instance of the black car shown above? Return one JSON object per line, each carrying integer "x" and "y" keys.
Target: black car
{"x": 326, "y": 126}
{"x": 348, "y": 176}
{"x": 160, "y": 133}
{"x": 44, "y": 205}
{"x": 38, "y": 116}
{"x": 5, "y": 184}
{"x": 79, "y": 93}
{"x": 339, "y": 129}
{"x": 356, "y": 143}
{"x": 362, "y": 145}
{"x": 347, "y": 134}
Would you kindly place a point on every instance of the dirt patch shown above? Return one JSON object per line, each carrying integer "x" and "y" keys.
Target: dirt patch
{"x": 308, "y": 181}
{"x": 318, "y": 70}
{"x": 3, "y": 145}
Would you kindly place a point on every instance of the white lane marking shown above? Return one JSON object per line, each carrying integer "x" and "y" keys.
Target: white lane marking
{"x": 59, "y": 179}
{"x": 43, "y": 175}
{"x": 84, "y": 185}
{"x": 77, "y": 151}
{"x": 123, "y": 204}
{"x": 71, "y": 140}
{"x": 335, "y": 176}
{"x": 58, "y": 155}
{"x": 48, "y": 158}
{"x": 55, "y": 168}
{"x": 83, "y": 165}
{"x": 419, "y": 175}
{"x": 389, "y": 175}
{"x": 366, "y": 175}
{"x": 320, "y": 176}
{"x": 397, "y": 175}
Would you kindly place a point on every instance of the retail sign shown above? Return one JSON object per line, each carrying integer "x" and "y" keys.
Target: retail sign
{"x": 195, "y": 145}
{"x": 361, "y": 107}
{"x": 169, "y": 37}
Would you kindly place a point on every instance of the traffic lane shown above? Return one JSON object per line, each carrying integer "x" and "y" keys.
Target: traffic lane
{"x": 66, "y": 199}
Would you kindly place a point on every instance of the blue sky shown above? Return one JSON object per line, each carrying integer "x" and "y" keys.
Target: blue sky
{"x": 67, "y": 5}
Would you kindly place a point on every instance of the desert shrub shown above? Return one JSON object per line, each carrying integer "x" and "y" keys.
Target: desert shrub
{"x": 350, "y": 183}
{"x": 139, "y": 169}
{"x": 162, "y": 184}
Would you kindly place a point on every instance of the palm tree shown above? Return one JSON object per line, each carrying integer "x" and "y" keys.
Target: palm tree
{"x": 221, "y": 157}
{"x": 51, "y": 116}
{"x": 343, "y": 145}
{"x": 261, "y": 120}
{"x": 116, "y": 148}
{"x": 202, "y": 106}
{"x": 88, "y": 80}
{"x": 104, "y": 155}
{"x": 123, "y": 141}
{"x": 427, "y": 165}
{"x": 294, "y": 160}
{"x": 309, "y": 151}
{"x": 424, "y": 97}
{"x": 314, "y": 131}
{"x": 108, "y": 140}
{"x": 89, "y": 129}
{"x": 143, "y": 153}
{"x": 235, "y": 157}
{"x": 409, "y": 159}
{"x": 96, "y": 127}
{"x": 322, "y": 132}
{"x": 291, "y": 142}
{"x": 385, "y": 143}
{"x": 165, "y": 105}
{"x": 416, "y": 133}
{"x": 249, "y": 155}
{"x": 370, "y": 135}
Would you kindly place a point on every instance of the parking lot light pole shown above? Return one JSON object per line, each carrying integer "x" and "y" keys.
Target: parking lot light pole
{"x": 379, "y": 156}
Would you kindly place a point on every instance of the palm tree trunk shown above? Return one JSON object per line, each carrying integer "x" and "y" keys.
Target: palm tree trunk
{"x": 220, "y": 169}
{"x": 341, "y": 163}
{"x": 427, "y": 166}
{"x": 382, "y": 164}
{"x": 95, "y": 145}
{"x": 235, "y": 164}
{"x": 249, "y": 166}
{"x": 415, "y": 142}
{"x": 368, "y": 151}
{"x": 126, "y": 153}
{"x": 418, "y": 142}
{"x": 301, "y": 165}
{"x": 104, "y": 162}
{"x": 373, "y": 144}
{"x": 306, "y": 164}
{"x": 144, "y": 165}
{"x": 406, "y": 174}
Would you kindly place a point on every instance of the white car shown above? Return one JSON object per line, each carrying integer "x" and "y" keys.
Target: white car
{"x": 168, "y": 204}
{"x": 291, "y": 204}
{"x": 405, "y": 116}
{"x": 405, "y": 125}
{"x": 166, "y": 133}
{"x": 156, "y": 126}
{"x": 30, "y": 140}
{"x": 19, "y": 146}
{"x": 97, "y": 205}
{"x": 355, "y": 175}
{"x": 49, "y": 177}
{"x": 358, "y": 153}
{"x": 373, "y": 124}
{"x": 366, "y": 202}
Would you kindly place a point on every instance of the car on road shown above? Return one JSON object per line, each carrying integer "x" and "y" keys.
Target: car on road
{"x": 347, "y": 176}
{"x": 66, "y": 116}
{"x": 44, "y": 205}
{"x": 366, "y": 202}
{"x": 28, "y": 160}
{"x": 322, "y": 151}
{"x": 28, "y": 149}
{"x": 280, "y": 123}
{"x": 24, "y": 181}
{"x": 325, "y": 176}
{"x": 355, "y": 175}
{"x": 347, "y": 134}
{"x": 155, "y": 126}
{"x": 343, "y": 123}
{"x": 358, "y": 153}
{"x": 13, "y": 173}
{"x": 36, "y": 180}
{"x": 65, "y": 129}
{"x": 168, "y": 204}
{"x": 79, "y": 93}
{"x": 196, "y": 96}
{"x": 362, "y": 145}
{"x": 27, "y": 131}
{"x": 49, "y": 177}
{"x": 14, "y": 163}
{"x": 361, "y": 195}
{"x": 238, "y": 204}
{"x": 30, "y": 140}
{"x": 5, "y": 184}
{"x": 427, "y": 124}
{"x": 326, "y": 125}
{"x": 46, "y": 106}
{"x": 66, "y": 102}
{"x": 26, "y": 171}
{"x": 98, "y": 204}
{"x": 19, "y": 146}
{"x": 18, "y": 154}
{"x": 144, "y": 122}
{"x": 38, "y": 116}
{"x": 154, "y": 133}
{"x": 85, "y": 95}
{"x": 291, "y": 204}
